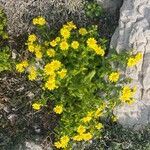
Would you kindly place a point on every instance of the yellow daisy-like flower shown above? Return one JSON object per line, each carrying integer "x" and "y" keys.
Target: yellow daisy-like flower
{"x": 51, "y": 84}
{"x": 37, "y": 50}
{"x": 51, "y": 67}
{"x": 58, "y": 145}
{"x": 98, "y": 50}
{"x": 53, "y": 43}
{"x": 78, "y": 138}
{"x": 32, "y": 73}
{"x": 86, "y": 119}
{"x": 31, "y": 47}
{"x": 22, "y": 66}
{"x": 58, "y": 109}
{"x": 64, "y": 45}
{"x": 114, "y": 76}
{"x": 39, "y": 21}
{"x": 64, "y": 141}
{"x": 62, "y": 73}
{"x": 32, "y": 38}
{"x": 138, "y": 57}
{"x": 71, "y": 25}
{"x": 48, "y": 70}
{"x": 99, "y": 126}
{"x": 51, "y": 52}
{"x": 81, "y": 129}
{"x": 65, "y": 33}
{"x": 83, "y": 31}
{"x": 36, "y": 106}
{"x": 25, "y": 63}
{"x": 91, "y": 43}
{"x": 87, "y": 136}
{"x": 38, "y": 54}
{"x": 131, "y": 62}
{"x": 75, "y": 44}
{"x": 127, "y": 94}
{"x": 56, "y": 65}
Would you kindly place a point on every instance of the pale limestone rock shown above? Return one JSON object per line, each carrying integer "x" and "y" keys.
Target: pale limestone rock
{"x": 111, "y": 5}
{"x": 133, "y": 32}
{"x": 32, "y": 146}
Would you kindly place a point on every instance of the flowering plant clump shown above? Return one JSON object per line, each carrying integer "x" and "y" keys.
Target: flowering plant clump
{"x": 76, "y": 74}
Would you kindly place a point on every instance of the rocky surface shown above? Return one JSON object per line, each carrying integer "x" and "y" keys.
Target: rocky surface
{"x": 134, "y": 32}
{"x": 21, "y": 12}
{"x": 110, "y": 5}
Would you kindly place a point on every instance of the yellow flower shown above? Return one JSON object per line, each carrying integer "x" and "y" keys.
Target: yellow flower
{"x": 51, "y": 84}
{"x": 36, "y": 106}
{"x": 48, "y": 70}
{"x": 53, "y": 43}
{"x": 83, "y": 136}
{"x": 62, "y": 73}
{"x": 32, "y": 38}
{"x": 58, "y": 109}
{"x": 65, "y": 33}
{"x": 71, "y": 25}
{"x": 138, "y": 57}
{"x": 64, "y": 45}
{"x": 114, "y": 76}
{"x": 22, "y": 66}
{"x": 51, "y": 67}
{"x": 81, "y": 129}
{"x": 38, "y": 54}
{"x": 58, "y": 145}
{"x": 86, "y": 119}
{"x": 33, "y": 74}
{"x": 31, "y": 47}
{"x": 87, "y": 136}
{"x": 56, "y": 64}
{"x": 127, "y": 94}
{"x": 78, "y": 138}
{"x": 98, "y": 113}
{"x": 51, "y": 52}
{"x": 39, "y": 21}
{"x": 90, "y": 114}
{"x": 131, "y": 62}
{"x": 25, "y": 63}
{"x": 64, "y": 141}
{"x": 91, "y": 43}
{"x": 37, "y": 50}
{"x": 98, "y": 50}
{"x": 75, "y": 44}
{"x": 82, "y": 31}
{"x": 99, "y": 126}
